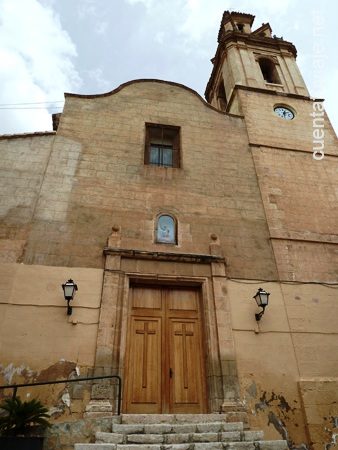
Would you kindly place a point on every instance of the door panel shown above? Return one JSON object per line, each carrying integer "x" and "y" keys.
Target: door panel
{"x": 144, "y": 366}
{"x": 165, "y": 359}
{"x": 182, "y": 300}
{"x": 186, "y": 382}
{"x": 148, "y": 298}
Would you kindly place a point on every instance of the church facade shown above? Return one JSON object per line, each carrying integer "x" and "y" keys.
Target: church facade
{"x": 170, "y": 213}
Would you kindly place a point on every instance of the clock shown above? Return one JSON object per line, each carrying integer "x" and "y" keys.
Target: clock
{"x": 284, "y": 113}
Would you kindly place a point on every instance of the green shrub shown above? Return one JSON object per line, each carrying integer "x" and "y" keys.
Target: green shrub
{"x": 22, "y": 418}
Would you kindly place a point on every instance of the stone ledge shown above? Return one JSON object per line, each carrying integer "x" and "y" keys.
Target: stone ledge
{"x": 164, "y": 256}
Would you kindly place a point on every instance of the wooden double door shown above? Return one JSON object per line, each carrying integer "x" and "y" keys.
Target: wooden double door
{"x": 164, "y": 370}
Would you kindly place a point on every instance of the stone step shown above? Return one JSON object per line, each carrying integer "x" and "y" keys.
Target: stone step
{"x": 261, "y": 445}
{"x": 179, "y": 432}
{"x": 165, "y": 428}
{"x": 172, "y": 418}
{"x": 179, "y": 438}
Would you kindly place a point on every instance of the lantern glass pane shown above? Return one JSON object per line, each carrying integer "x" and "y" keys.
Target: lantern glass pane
{"x": 264, "y": 298}
{"x": 69, "y": 289}
{"x": 258, "y": 300}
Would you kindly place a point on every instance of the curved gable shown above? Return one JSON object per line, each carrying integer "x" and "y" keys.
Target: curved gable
{"x": 139, "y": 81}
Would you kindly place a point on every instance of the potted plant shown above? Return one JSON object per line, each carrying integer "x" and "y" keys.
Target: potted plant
{"x": 22, "y": 423}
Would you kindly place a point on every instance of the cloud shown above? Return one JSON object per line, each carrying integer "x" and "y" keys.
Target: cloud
{"x": 100, "y": 81}
{"x": 200, "y": 17}
{"x": 37, "y": 64}
{"x": 147, "y": 3}
{"x": 91, "y": 10}
{"x": 101, "y": 27}
{"x": 269, "y": 6}
{"x": 87, "y": 8}
{"x": 121, "y": 40}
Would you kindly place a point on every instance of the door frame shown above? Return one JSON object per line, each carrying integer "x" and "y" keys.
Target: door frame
{"x": 208, "y": 329}
{"x": 166, "y": 324}
{"x": 206, "y": 271}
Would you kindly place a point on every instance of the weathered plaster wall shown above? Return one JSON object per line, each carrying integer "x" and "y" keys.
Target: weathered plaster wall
{"x": 320, "y": 403}
{"x": 286, "y": 364}
{"x": 38, "y": 341}
{"x": 288, "y": 360}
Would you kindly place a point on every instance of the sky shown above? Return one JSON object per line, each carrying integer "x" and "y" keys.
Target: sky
{"x": 49, "y": 47}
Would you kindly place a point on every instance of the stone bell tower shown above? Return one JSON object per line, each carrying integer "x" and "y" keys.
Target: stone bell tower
{"x": 255, "y": 75}
{"x": 253, "y": 59}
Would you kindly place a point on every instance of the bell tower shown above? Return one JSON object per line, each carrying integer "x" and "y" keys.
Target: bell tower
{"x": 253, "y": 59}
{"x": 291, "y": 140}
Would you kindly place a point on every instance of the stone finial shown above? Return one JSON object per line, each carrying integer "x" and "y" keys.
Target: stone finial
{"x": 114, "y": 238}
{"x": 215, "y": 245}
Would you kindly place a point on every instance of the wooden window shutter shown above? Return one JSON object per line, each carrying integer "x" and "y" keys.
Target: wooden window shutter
{"x": 147, "y": 145}
{"x": 176, "y": 149}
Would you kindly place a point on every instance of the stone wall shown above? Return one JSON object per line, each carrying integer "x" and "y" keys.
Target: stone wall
{"x": 298, "y": 192}
{"x": 24, "y": 160}
{"x": 63, "y": 435}
{"x": 95, "y": 178}
{"x": 258, "y": 198}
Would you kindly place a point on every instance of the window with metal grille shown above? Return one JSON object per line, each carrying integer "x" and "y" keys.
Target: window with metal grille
{"x": 162, "y": 146}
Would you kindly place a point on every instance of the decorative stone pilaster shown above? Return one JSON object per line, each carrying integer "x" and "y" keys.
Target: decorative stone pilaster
{"x": 224, "y": 331}
{"x": 104, "y": 392}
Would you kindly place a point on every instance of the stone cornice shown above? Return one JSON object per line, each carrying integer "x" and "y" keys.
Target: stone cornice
{"x": 27, "y": 135}
{"x": 269, "y": 92}
{"x": 164, "y": 256}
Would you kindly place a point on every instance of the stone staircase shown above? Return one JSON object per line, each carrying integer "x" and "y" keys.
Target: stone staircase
{"x": 179, "y": 432}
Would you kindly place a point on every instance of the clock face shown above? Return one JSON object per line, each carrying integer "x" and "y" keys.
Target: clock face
{"x": 284, "y": 113}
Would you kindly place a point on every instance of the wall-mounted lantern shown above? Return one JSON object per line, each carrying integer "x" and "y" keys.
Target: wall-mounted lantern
{"x": 262, "y": 299}
{"x": 69, "y": 289}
